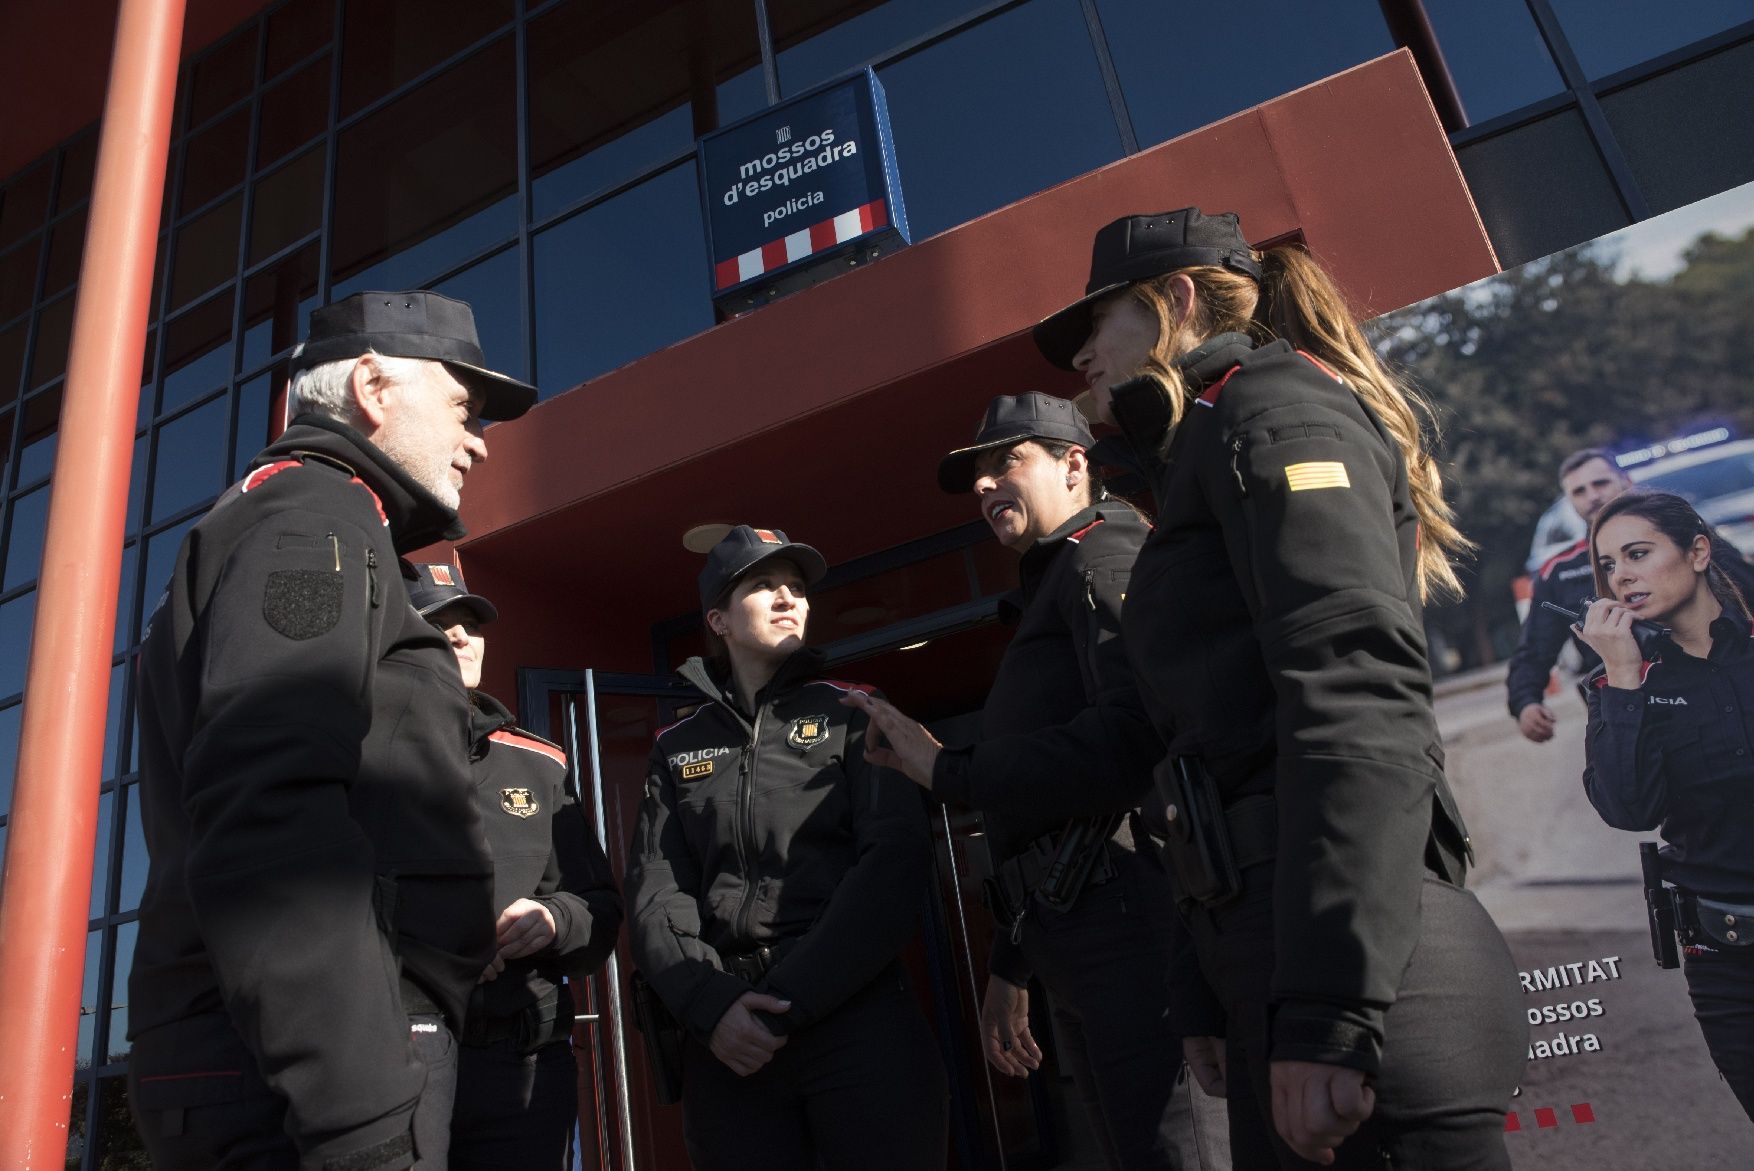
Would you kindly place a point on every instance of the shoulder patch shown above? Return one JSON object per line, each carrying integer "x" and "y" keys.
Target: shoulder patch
{"x": 302, "y": 603}
{"x": 514, "y": 738}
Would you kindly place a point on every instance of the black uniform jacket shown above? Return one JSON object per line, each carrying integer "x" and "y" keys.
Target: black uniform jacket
{"x": 543, "y": 849}
{"x": 771, "y": 829}
{"x": 1274, "y": 624}
{"x": 1567, "y": 579}
{"x": 1064, "y": 732}
{"x": 306, "y": 800}
{"x": 1679, "y": 753}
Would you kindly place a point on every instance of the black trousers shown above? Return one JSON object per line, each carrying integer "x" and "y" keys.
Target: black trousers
{"x": 1103, "y": 963}
{"x": 863, "y": 1090}
{"x": 514, "y": 1109}
{"x": 247, "y": 1129}
{"x": 1456, "y": 1039}
{"x": 1722, "y": 987}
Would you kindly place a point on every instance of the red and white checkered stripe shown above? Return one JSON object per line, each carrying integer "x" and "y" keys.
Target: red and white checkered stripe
{"x": 776, "y": 253}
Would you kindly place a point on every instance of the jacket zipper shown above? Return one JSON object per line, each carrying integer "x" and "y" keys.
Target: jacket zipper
{"x": 745, "y": 836}
{"x": 371, "y": 573}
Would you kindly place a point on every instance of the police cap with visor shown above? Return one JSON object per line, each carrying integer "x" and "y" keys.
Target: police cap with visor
{"x": 414, "y": 324}
{"x": 1136, "y": 248}
{"x": 1012, "y": 418}
{"x": 436, "y": 586}
{"x": 742, "y": 549}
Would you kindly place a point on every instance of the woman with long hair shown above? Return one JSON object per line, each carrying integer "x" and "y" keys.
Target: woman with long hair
{"x": 774, "y": 877}
{"x": 1353, "y": 1003}
{"x": 1671, "y": 744}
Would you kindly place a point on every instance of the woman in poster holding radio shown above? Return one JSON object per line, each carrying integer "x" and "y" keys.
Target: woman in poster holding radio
{"x": 1669, "y": 745}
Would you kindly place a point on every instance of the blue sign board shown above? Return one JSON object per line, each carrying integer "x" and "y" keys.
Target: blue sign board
{"x": 799, "y": 183}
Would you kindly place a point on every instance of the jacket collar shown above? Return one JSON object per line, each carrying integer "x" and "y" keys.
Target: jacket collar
{"x": 715, "y": 680}
{"x": 416, "y": 517}
{"x": 486, "y": 716}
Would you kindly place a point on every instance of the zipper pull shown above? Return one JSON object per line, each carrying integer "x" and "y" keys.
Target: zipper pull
{"x": 1090, "y": 588}
{"x": 1017, "y": 925}
{"x": 1236, "y": 455}
{"x": 371, "y": 572}
{"x": 336, "y": 545}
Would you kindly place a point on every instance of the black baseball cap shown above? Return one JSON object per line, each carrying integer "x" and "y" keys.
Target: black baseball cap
{"x": 1135, "y": 248}
{"x": 1010, "y": 418}
{"x": 414, "y": 324}
{"x": 436, "y": 586}
{"x": 743, "y": 548}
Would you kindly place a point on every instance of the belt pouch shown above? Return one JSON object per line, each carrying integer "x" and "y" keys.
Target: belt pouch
{"x": 1198, "y": 848}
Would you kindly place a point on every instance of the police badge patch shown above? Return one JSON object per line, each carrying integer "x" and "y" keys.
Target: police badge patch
{"x": 518, "y": 802}
{"x": 807, "y": 732}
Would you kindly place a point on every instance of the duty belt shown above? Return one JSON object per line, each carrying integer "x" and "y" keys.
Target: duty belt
{"x": 753, "y": 966}
{"x": 1030, "y": 875}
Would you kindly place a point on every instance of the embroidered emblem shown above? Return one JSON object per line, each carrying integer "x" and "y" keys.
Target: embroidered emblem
{"x": 518, "y": 802}
{"x": 807, "y": 732}
{"x": 1321, "y": 474}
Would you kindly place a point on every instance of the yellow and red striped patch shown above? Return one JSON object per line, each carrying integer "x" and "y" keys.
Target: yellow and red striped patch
{"x": 1307, "y": 477}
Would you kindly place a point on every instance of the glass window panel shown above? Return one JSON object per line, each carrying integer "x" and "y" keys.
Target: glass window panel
{"x": 18, "y": 278}
{"x": 23, "y": 203}
{"x": 406, "y": 207}
{"x": 36, "y": 453}
{"x": 609, "y": 97}
{"x": 9, "y": 722}
{"x": 78, "y": 167}
{"x": 118, "y": 1047}
{"x": 817, "y": 41}
{"x": 54, "y": 334}
{"x": 189, "y": 466}
{"x": 134, "y": 861}
{"x": 293, "y": 113}
{"x": 387, "y": 43}
{"x": 491, "y": 288}
{"x": 11, "y": 362}
{"x": 288, "y": 205}
{"x": 113, "y": 718}
{"x": 250, "y": 427}
{"x": 197, "y": 352}
{"x": 1011, "y": 106}
{"x": 15, "y": 622}
{"x": 1611, "y": 35}
{"x": 88, "y": 999}
{"x": 609, "y": 290}
{"x": 1495, "y": 53}
{"x": 222, "y": 76}
{"x": 277, "y": 303}
{"x": 26, "y": 517}
{"x": 137, "y": 483}
{"x": 1686, "y": 132}
{"x": 122, "y": 1148}
{"x": 297, "y": 30}
{"x": 1288, "y": 43}
{"x": 100, "y": 859}
{"x": 66, "y": 250}
{"x": 1541, "y": 188}
{"x": 125, "y": 596}
{"x": 206, "y": 253}
{"x": 213, "y": 161}
{"x": 6, "y": 421}
{"x": 161, "y": 558}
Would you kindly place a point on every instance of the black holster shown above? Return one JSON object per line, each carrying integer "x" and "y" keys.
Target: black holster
{"x": 1659, "y": 904}
{"x": 1200, "y": 850}
{"x": 662, "y": 1035}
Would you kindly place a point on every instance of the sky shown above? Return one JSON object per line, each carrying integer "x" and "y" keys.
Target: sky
{"x": 1652, "y": 249}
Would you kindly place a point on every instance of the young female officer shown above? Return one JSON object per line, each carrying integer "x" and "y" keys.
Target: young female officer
{"x": 1358, "y": 1008}
{"x": 517, "y": 1084}
{"x": 1103, "y": 956}
{"x": 1671, "y": 744}
{"x": 774, "y": 877}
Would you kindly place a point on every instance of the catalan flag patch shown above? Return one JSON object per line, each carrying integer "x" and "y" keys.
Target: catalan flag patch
{"x": 1322, "y": 474}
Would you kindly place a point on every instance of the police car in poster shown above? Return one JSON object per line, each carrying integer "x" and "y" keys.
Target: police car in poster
{"x": 799, "y": 184}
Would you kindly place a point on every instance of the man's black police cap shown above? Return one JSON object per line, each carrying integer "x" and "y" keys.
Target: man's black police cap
{"x": 1010, "y": 418}
{"x": 1136, "y": 248}
{"x": 416, "y": 324}
{"x": 441, "y": 585}
{"x": 743, "y": 548}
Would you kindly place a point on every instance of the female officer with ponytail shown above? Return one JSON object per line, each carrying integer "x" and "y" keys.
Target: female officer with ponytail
{"x": 1355, "y": 1005}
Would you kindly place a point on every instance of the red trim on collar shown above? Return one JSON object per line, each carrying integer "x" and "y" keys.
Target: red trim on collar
{"x": 1565, "y": 554}
{"x": 1209, "y": 396}
{"x": 1079, "y": 535}
{"x": 263, "y": 474}
{"x": 1322, "y": 366}
{"x": 376, "y": 502}
{"x": 501, "y": 736}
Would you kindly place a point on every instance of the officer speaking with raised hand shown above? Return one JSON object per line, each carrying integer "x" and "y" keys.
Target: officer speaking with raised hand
{"x": 317, "y": 908}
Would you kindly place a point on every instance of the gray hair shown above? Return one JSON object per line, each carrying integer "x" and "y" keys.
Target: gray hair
{"x": 324, "y": 390}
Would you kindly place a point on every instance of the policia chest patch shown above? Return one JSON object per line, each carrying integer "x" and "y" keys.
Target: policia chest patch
{"x": 519, "y": 802}
{"x": 807, "y": 732}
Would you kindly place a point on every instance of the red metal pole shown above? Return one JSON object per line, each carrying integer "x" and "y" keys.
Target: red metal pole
{"x": 47, "y": 876}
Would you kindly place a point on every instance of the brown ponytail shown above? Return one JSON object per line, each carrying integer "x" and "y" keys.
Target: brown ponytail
{"x": 1299, "y": 302}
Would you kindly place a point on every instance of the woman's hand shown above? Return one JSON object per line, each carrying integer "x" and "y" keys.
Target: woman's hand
{"x": 524, "y": 928}
{"x": 1005, "y": 1029}
{"x": 1607, "y": 628}
{"x": 898, "y": 742}
{"x": 1317, "y": 1106}
{"x": 743, "y": 1043}
{"x": 1205, "y": 1058}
